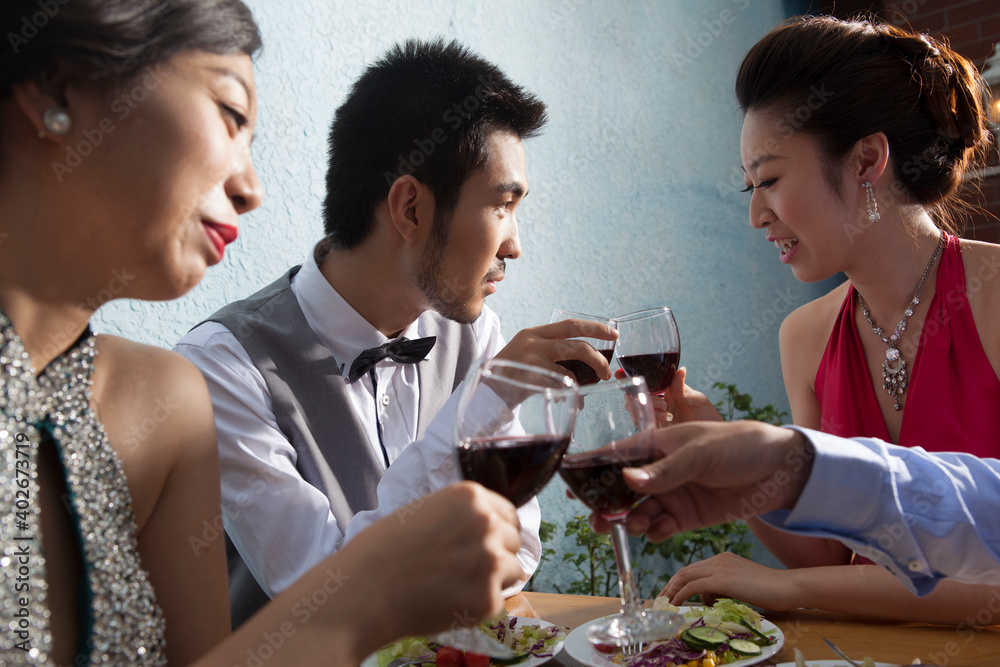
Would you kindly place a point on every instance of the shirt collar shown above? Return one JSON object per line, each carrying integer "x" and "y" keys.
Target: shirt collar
{"x": 341, "y": 328}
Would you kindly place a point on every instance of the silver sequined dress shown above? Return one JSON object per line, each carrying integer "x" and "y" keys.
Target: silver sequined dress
{"x": 122, "y": 624}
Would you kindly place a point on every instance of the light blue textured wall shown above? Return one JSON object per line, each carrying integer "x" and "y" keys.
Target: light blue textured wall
{"x": 634, "y": 185}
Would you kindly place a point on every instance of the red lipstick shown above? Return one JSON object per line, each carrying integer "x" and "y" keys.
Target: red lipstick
{"x": 220, "y": 235}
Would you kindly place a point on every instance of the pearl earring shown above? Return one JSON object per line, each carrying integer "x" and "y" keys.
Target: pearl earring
{"x": 57, "y": 122}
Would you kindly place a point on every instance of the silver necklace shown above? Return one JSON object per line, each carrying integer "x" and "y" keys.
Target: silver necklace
{"x": 894, "y": 378}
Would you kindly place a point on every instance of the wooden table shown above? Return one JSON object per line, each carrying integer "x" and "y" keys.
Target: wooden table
{"x": 886, "y": 641}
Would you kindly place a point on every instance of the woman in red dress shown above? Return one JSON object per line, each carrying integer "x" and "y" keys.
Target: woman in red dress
{"x": 856, "y": 138}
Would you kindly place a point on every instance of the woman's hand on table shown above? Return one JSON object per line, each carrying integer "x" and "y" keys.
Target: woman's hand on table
{"x": 729, "y": 575}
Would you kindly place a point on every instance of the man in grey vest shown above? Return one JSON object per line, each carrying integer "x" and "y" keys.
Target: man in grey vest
{"x": 327, "y": 376}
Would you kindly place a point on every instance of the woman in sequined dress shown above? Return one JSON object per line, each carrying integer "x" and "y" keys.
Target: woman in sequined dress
{"x": 125, "y": 128}
{"x": 856, "y": 139}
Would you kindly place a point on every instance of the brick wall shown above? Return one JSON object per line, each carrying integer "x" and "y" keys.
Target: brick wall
{"x": 972, "y": 27}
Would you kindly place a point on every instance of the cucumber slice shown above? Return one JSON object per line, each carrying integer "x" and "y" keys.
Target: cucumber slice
{"x": 743, "y": 647}
{"x": 760, "y": 635}
{"x": 692, "y": 642}
{"x": 708, "y": 637}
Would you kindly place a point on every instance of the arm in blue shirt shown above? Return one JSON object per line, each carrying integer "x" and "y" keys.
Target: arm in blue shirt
{"x": 925, "y": 517}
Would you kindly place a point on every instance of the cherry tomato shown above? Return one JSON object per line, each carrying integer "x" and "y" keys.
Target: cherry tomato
{"x": 448, "y": 657}
{"x": 476, "y": 660}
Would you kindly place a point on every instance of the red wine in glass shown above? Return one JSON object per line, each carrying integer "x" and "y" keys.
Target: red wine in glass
{"x": 513, "y": 423}
{"x": 596, "y": 480}
{"x": 615, "y": 429}
{"x": 582, "y": 371}
{"x": 658, "y": 369}
{"x": 516, "y": 467}
{"x": 649, "y": 346}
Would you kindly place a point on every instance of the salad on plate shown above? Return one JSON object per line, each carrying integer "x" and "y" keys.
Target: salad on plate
{"x": 727, "y": 633}
{"x": 532, "y": 640}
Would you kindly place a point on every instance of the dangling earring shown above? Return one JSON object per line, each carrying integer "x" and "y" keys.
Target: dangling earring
{"x": 870, "y": 202}
{"x": 57, "y": 122}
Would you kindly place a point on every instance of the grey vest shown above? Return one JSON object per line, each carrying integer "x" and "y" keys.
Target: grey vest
{"x": 313, "y": 410}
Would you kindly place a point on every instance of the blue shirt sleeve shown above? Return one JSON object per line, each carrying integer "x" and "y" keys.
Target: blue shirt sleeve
{"x": 925, "y": 517}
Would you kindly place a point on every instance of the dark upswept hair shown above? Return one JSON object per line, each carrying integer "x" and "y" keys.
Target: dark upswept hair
{"x": 841, "y": 80}
{"x": 115, "y": 40}
{"x": 426, "y": 108}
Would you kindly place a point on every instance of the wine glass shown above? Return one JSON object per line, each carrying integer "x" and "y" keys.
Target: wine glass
{"x": 512, "y": 427}
{"x": 615, "y": 430}
{"x": 583, "y": 372}
{"x": 649, "y": 346}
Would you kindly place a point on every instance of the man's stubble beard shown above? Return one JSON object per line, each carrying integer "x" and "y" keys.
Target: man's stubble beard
{"x": 442, "y": 296}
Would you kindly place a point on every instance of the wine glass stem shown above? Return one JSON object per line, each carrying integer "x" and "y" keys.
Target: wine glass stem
{"x": 626, "y": 583}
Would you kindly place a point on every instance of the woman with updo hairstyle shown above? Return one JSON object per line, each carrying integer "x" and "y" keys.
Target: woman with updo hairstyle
{"x": 125, "y": 128}
{"x": 857, "y": 137}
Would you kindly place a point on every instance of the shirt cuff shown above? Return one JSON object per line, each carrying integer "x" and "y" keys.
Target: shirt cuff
{"x": 850, "y": 496}
{"x": 845, "y": 474}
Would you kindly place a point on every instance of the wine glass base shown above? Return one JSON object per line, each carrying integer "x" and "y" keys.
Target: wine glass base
{"x": 625, "y": 629}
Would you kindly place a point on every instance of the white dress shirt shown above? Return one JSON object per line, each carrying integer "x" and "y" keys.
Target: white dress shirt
{"x": 281, "y": 524}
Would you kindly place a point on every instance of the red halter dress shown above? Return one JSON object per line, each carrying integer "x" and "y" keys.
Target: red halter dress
{"x": 952, "y": 402}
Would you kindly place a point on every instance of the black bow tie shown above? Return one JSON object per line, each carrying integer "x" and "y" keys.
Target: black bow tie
{"x": 402, "y": 351}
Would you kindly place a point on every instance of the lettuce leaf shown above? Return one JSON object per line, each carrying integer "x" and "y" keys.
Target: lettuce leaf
{"x": 415, "y": 648}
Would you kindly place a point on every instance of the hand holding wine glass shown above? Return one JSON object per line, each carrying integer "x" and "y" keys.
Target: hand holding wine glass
{"x": 514, "y": 424}
{"x": 680, "y": 403}
{"x": 583, "y": 372}
{"x": 512, "y": 428}
{"x": 615, "y": 430}
{"x": 649, "y": 346}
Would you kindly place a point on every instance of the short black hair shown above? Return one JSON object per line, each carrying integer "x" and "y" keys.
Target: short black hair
{"x": 114, "y": 40}
{"x": 426, "y": 108}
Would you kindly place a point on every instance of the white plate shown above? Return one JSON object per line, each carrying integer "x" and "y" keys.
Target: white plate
{"x": 580, "y": 648}
{"x": 530, "y": 661}
{"x": 831, "y": 663}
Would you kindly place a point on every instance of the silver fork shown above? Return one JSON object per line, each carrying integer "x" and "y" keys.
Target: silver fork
{"x": 843, "y": 656}
{"x": 631, "y": 648}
